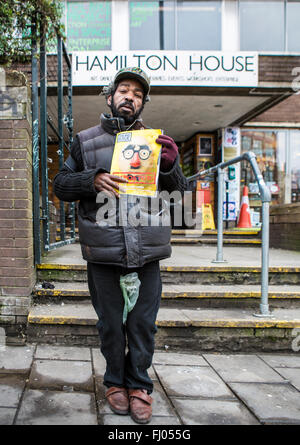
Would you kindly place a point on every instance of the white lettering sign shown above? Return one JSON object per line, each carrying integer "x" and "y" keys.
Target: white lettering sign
{"x": 172, "y": 68}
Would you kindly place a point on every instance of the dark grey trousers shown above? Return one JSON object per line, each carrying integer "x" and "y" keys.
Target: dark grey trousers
{"x": 126, "y": 368}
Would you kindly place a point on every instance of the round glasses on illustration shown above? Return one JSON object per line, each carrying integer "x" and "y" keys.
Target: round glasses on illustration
{"x": 143, "y": 151}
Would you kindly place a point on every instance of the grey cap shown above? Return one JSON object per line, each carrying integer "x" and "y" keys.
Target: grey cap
{"x": 129, "y": 73}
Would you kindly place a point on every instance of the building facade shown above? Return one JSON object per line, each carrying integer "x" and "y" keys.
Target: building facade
{"x": 225, "y": 76}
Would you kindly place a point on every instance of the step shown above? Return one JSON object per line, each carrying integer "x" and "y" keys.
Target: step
{"x": 196, "y": 240}
{"x": 204, "y": 329}
{"x": 234, "y": 231}
{"x": 214, "y": 274}
{"x": 187, "y": 295}
{"x": 202, "y": 240}
{"x": 250, "y": 232}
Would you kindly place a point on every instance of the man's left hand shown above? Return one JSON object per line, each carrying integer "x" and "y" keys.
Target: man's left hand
{"x": 169, "y": 152}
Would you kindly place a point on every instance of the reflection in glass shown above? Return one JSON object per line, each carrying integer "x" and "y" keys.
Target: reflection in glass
{"x": 199, "y": 25}
{"x": 262, "y": 25}
{"x": 152, "y": 24}
{"x": 270, "y": 150}
{"x": 295, "y": 166}
{"x": 293, "y": 28}
{"x": 175, "y": 24}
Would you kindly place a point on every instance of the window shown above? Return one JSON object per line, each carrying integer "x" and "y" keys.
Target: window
{"x": 262, "y": 25}
{"x": 152, "y": 25}
{"x": 88, "y": 25}
{"x": 269, "y": 25}
{"x": 292, "y": 24}
{"x": 269, "y": 147}
{"x": 295, "y": 165}
{"x": 278, "y": 157}
{"x": 176, "y": 24}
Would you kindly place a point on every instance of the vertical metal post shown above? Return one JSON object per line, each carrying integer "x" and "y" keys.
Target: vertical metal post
{"x": 44, "y": 147}
{"x": 265, "y": 198}
{"x": 227, "y": 202}
{"x": 35, "y": 144}
{"x": 264, "y": 305}
{"x": 60, "y": 127}
{"x": 219, "y": 258}
{"x": 70, "y": 130}
{"x": 161, "y": 25}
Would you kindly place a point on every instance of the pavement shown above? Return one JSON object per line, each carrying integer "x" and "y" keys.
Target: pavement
{"x": 62, "y": 385}
{"x": 193, "y": 255}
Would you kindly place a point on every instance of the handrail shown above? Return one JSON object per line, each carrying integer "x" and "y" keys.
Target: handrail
{"x": 265, "y": 196}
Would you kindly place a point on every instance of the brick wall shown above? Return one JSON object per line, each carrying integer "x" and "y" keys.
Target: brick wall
{"x": 284, "y": 226}
{"x": 17, "y": 272}
{"x": 286, "y": 111}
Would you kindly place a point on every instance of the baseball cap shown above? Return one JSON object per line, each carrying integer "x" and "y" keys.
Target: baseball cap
{"x": 129, "y": 73}
{"x": 134, "y": 73}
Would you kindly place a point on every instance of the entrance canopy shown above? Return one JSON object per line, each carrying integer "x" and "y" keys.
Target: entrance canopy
{"x": 180, "y": 115}
{"x": 190, "y": 91}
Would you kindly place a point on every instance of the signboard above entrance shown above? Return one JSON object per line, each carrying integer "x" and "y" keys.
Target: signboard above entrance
{"x": 169, "y": 68}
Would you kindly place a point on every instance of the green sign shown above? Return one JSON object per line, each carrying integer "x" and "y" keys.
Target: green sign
{"x": 89, "y": 25}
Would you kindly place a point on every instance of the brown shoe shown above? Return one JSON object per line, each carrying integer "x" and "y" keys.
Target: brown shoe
{"x": 118, "y": 400}
{"x": 140, "y": 405}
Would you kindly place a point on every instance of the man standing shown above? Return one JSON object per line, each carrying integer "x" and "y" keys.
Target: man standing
{"x": 113, "y": 251}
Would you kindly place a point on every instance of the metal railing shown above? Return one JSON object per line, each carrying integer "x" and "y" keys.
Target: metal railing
{"x": 265, "y": 197}
{"x": 41, "y": 119}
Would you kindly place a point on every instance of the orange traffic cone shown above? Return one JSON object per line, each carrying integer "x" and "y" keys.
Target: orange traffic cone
{"x": 244, "y": 216}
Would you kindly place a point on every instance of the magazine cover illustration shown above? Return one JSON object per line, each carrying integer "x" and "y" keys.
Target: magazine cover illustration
{"x": 137, "y": 158}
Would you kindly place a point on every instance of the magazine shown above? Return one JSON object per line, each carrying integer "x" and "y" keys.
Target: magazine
{"x": 137, "y": 158}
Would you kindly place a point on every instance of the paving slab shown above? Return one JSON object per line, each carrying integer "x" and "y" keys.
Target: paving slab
{"x": 11, "y": 388}
{"x": 61, "y": 374}
{"x": 170, "y": 358}
{"x": 271, "y": 403}
{"x": 292, "y": 375}
{"x": 281, "y": 361}
{"x": 242, "y": 368}
{"x": 99, "y": 365}
{"x": 191, "y": 381}
{"x": 62, "y": 352}
{"x": 57, "y": 408}
{"x": 213, "y": 412}
{"x": 16, "y": 359}
{"x": 7, "y": 416}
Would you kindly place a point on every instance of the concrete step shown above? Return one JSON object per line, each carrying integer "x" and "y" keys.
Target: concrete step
{"x": 184, "y": 295}
{"x": 201, "y": 330}
{"x": 233, "y": 237}
{"x": 214, "y": 274}
{"x": 195, "y": 239}
{"x": 244, "y": 233}
{"x": 211, "y": 232}
{"x": 181, "y": 240}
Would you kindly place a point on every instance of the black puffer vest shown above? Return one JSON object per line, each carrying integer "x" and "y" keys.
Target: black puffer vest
{"x": 124, "y": 245}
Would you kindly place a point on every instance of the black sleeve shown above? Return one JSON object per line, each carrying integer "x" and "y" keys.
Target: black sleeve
{"x": 174, "y": 179}
{"x": 73, "y": 182}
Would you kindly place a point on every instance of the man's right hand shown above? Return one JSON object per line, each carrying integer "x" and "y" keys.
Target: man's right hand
{"x": 105, "y": 182}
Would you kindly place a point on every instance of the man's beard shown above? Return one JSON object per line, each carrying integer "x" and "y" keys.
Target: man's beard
{"x": 128, "y": 119}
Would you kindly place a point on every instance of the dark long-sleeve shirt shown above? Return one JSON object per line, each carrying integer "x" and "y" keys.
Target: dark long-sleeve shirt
{"x": 73, "y": 183}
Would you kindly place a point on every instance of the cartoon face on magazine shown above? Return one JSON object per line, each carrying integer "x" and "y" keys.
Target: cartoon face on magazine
{"x": 136, "y": 158}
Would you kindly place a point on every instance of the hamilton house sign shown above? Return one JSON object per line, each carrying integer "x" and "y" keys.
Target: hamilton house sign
{"x": 169, "y": 68}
